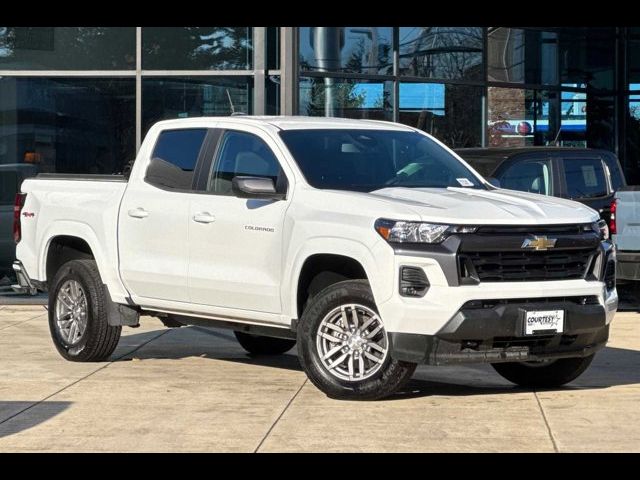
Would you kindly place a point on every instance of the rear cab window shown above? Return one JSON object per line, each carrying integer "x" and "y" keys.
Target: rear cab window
{"x": 174, "y": 158}
{"x": 585, "y": 178}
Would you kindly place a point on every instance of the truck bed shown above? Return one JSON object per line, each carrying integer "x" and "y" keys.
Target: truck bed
{"x": 86, "y": 206}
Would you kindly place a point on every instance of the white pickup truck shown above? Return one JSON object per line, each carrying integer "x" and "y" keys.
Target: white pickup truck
{"x": 370, "y": 245}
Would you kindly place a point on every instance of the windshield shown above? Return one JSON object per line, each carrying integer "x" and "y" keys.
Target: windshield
{"x": 368, "y": 160}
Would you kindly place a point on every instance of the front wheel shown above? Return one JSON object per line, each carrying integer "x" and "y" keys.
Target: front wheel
{"x": 545, "y": 374}
{"x": 343, "y": 345}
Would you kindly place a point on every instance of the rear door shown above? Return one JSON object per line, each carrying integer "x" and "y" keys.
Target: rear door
{"x": 586, "y": 179}
{"x": 154, "y": 218}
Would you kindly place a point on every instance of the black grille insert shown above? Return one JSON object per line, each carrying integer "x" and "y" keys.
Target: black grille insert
{"x": 413, "y": 282}
{"x": 492, "y": 303}
{"x": 572, "y": 229}
{"x": 523, "y": 266}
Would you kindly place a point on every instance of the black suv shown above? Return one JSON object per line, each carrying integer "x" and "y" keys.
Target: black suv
{"x": 586, "y": 175}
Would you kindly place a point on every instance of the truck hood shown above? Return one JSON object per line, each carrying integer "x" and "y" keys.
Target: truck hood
{"x": 474, "y": 206}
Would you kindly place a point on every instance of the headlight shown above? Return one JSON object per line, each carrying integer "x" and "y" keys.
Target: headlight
{"x": 417, "y": 232}
{"x": 601, "y": 227}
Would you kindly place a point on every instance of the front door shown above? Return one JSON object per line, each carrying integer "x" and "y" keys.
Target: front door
{"x": 235, "y": 244}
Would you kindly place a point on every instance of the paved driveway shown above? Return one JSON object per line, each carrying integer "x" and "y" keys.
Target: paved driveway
{"x": 194, "y": 389}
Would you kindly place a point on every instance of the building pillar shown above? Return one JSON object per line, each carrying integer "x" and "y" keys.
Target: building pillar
{"x": 288, "y": 71}
{"x": 259, "y": 66}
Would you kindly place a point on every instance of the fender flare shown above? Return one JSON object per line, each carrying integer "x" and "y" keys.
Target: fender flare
{"x": 70, "y": 228}
{"x": 327, "y": 245}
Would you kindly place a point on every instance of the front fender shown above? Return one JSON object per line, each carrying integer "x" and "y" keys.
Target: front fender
{"x": 373, "y": 260}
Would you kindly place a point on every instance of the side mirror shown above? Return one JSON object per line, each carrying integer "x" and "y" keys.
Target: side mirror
{"x": 494, "y": 181}
{"x": 255, "y": 187}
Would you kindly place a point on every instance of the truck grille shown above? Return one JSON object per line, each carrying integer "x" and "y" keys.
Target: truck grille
{"x": 525, "y": 266}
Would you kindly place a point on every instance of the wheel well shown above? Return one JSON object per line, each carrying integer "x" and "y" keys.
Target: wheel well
{"x": 63, "y": 249}
{"x": 322, "y": 270}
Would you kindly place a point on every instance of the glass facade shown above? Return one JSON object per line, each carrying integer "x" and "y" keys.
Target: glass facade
{"x": 428, "y": 77}
{"x": 80, "y": 99}
{"x": 348, "y": 98}
{"x": 67, "y": 124}
{"x": 197, "y": 48}
{"x": 441, "y": 52}
{"x": 183, "y": 97}
{"x": 67, "y": 48}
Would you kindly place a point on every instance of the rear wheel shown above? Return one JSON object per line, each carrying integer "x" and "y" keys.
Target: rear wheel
{"x": 553, "y": 373}
{"x": 78, "y": 314}
{"x": 261, "y": 345}
{"x": 343, "y": 345}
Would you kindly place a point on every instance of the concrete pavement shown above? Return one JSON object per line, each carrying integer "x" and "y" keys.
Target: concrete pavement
{"x": 194, "y": 389}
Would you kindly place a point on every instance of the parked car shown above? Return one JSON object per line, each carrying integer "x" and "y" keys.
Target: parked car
{"x": 625, "y": 232}
{"x": 368, "y": 243}
{"x": 11, "y": 177}
{"x": 585, "y": 175}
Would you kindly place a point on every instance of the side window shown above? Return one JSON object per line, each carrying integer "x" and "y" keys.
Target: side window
{"x": 528, "y": 176}
{"x": 242, "y": 154}
{"x": 585, "y": 177}
{"x": 174, "y": 158}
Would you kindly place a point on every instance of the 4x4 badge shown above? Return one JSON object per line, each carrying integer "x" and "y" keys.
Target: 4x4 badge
{"x": 539, "y": 243}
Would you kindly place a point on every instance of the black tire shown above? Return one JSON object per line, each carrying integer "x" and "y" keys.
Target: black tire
{"x": 391, "y": 376}
{"x": 99, "y": 339}
{"x": 261, "y": 345}
{"x": 555, "y": 374}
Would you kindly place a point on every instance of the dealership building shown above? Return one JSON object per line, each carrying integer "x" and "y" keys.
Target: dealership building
{"x": 80, "y": 99}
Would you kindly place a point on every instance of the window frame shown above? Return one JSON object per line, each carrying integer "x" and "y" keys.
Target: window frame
{"x": 211, "y": 161}
{"x": 205, "y": 147}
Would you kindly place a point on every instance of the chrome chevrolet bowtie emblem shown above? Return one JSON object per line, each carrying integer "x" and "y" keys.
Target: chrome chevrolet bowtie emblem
{"x": 539, "y": 243}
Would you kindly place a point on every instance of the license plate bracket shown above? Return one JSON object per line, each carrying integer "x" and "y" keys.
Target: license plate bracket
{"x": 543, "y": 322}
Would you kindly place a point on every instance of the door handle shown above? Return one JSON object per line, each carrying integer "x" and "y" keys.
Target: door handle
{"x": 204, "y": 217}
{"x": 138, "y": 213}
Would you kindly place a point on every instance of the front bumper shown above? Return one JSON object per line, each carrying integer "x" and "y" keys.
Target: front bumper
{"x": 493, "y": 331}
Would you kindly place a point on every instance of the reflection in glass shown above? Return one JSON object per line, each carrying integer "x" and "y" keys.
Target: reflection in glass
{"x": 331, "y": 97}
{"x": 441, "y": 52}
{"x": 522, "y": 56}
{"x": 451, "y": 113}
{"x": 506, "y": 55}
{"x": 633, "y": 61}
{"x": 272, "y": 87}
{"x": 67, "y": 48}
{"x": 197, "y": 48}
{"x": 587, "y": 55}
{"x": 164, "y": 98}
{"x": 273, "y": 48}
{"x": 346, "y": 49}
{"x": 518, "y": 117}
{"x": 66, "y": 125}
{"x": 573, "y": 117}
{"x": 632, "y": 138}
